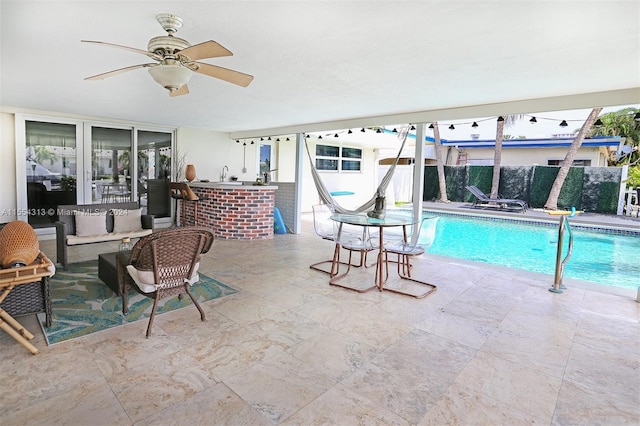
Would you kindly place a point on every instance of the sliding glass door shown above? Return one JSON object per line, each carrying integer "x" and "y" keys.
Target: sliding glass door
{"x": 154, "y": 172}
{"x": 51, "y": 169}
{"x": 63, "y": 162}
{"x": 110, "y": 164}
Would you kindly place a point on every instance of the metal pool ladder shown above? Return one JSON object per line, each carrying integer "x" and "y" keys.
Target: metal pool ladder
{"x": 558, "y": 287}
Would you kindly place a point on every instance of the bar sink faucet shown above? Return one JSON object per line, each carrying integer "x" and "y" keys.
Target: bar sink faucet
{"x": 223, "y": 174}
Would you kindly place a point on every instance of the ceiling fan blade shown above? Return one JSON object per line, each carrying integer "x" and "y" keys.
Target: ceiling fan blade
{"x": 119, "y": 71}
{"x": 131, "y": 49}
{"x": 208, "y": 49}
{"x": 225, "y": 74}
{"x": 181, "y": 91}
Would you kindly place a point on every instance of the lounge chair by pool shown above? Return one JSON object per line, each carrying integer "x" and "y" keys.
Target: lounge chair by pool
{"x": 483, "y": 200}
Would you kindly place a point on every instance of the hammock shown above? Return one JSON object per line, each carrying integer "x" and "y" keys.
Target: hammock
{"x": 326, "y": 197}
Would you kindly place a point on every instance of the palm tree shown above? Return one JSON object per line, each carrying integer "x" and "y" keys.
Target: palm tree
{"x": 621, "y": 123}
{"x": 439, "y": 164}
{"x": 552, "y": 201}
{"x": 43, "y": 153}
{"x": 497, "y": 154}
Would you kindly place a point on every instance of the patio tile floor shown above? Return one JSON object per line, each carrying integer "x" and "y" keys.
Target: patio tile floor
{"x": 490, "y": 346}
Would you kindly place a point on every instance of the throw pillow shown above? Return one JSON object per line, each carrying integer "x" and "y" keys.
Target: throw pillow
{"x": 127, "y": 220}
{"x": 90, "y": 223}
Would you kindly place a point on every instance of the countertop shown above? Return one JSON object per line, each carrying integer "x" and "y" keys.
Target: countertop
{"x": 230, "y": 185}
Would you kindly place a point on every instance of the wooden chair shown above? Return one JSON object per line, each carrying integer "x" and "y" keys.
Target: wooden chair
{"x": 166, "y": 264}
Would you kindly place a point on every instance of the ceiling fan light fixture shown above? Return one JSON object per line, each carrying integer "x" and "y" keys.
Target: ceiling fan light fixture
{"x": 171, "y": 76}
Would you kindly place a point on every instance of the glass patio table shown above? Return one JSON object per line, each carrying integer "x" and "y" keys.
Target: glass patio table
{"x": 386, "y": 222}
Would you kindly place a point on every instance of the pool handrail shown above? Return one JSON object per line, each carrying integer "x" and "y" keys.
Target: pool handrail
{"x": 558, "y": 286}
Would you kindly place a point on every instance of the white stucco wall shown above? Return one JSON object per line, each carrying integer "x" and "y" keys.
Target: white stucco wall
{"x": 7, "y": 168}
{"x": 210, "y": 151}
{"x": 529, "y": 156}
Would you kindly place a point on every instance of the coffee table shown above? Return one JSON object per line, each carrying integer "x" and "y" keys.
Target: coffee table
{"x": 107, "y": 271}
{"x": 112, "y": 270}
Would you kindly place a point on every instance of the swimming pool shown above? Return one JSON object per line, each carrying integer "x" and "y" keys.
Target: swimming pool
{"x": 605, "y": 258}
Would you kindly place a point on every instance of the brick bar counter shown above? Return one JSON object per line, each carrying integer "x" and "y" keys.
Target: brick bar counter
{"x": 234, "y": 212}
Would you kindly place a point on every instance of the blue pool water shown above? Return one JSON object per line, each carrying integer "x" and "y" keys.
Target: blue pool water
{"x": 604, "y": 258}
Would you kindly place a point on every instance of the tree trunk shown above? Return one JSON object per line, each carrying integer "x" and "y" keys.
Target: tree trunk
{"x": 439, "y": 164}
{"x": 552, "y": 201}
{"x": 497, "y": 159}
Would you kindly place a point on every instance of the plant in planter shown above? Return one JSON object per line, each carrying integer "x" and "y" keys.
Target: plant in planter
{"x": 68, "y": 183}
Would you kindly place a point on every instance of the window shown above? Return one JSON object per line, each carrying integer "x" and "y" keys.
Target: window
{"x": 338, "y": 159}
{"x": 576, "y": 163}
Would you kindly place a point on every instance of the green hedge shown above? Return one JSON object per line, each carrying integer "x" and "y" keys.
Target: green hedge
{"x": 593, "y": 189}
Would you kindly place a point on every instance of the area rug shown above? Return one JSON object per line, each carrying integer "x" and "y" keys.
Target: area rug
{"x": 83, "y": 304}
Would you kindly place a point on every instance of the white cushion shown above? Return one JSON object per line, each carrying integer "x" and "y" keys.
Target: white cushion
{"x": 145, "y": 279}
{"x": 90, "y": 223}
{"x": 127, "y": 220}
{"x": 73, "y": 240}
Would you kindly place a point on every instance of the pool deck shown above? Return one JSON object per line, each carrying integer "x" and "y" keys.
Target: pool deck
{"x": 590, "y": 219}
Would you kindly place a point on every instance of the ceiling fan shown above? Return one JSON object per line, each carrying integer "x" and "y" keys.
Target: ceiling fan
{"x": 177, "y": 59}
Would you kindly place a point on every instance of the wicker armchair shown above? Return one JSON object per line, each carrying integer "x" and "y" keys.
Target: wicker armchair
{"x": 166, "y": 264}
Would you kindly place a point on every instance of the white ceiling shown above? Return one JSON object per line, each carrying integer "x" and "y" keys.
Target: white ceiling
{"x": 326, "y": 64}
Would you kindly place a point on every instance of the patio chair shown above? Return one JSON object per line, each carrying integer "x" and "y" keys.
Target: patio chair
{"x": 324, "y": 228}
{"x": 414, "y": 243}
{"x": 166, "y": 263}
{"x": 483, "y": 200}
{"x": 353, "y": 239}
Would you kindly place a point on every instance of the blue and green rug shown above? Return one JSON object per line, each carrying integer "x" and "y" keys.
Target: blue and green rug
{"x": 83, "y": 304}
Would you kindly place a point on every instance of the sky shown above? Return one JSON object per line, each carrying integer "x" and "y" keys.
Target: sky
{"x": 548, "y": 124}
